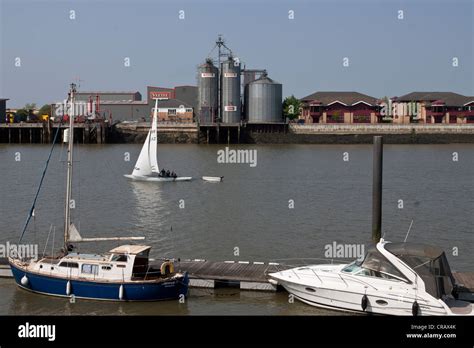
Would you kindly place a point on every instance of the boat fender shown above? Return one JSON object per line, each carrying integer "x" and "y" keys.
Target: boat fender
{"x": 167, "y": 267}
{"x": 364, "y": 302}
{"x": 121, "y": 292}
{"x": 68, "y": 288}
{"x": 415, "y": 308}
{"x": 24, "y": 280}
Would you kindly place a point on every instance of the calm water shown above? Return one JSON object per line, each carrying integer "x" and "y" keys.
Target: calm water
{"x": 248, "y": 210}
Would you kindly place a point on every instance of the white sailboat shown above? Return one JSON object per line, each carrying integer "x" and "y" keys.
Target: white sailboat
{"x": 146, "y": 168}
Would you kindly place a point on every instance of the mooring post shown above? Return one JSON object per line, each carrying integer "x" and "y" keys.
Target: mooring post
{"x": 377, "y": 190}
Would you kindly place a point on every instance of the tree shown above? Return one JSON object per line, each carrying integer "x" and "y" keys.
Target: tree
{"x": 30, "y": 106}
{"x": 45, "y": 110}
{"x": 291, "y": 107}
{"x": 21, "y": 115}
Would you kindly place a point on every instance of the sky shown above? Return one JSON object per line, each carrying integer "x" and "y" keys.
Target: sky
{"x": 387, "y": 55}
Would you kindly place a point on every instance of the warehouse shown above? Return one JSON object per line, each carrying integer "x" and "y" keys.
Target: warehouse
{"x": 128, "y": 105}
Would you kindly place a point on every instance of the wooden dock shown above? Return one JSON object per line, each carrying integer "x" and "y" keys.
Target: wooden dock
{"x": 43, "y": 132}
{"x": 241, "y": 274}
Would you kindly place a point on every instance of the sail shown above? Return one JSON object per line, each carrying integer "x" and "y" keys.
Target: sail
{"x": 154, "y": 141}
{"x": 147, "y": 162}
{"x": 75, "y": 237}
{"x": 143, "y": 167}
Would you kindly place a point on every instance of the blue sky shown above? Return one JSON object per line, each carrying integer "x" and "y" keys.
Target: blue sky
{"x": 387, "y": 56}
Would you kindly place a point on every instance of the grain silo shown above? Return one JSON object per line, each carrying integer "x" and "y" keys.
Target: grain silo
{"x": 264, "y": 101}
{"x": 230, "y": 91}
{"x": 208, "y": 76}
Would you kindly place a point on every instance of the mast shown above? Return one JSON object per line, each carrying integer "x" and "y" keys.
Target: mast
{"x": 67, "y": 206}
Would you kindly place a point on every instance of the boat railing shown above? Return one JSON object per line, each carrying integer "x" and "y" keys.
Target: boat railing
{"x": 353, "y": 278}
{"x": 278, "y": 265}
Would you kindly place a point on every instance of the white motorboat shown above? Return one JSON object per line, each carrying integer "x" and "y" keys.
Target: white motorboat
{"x": 146, "y": 168}
{"x": 393, "y": 279}
{"x": 213, "y": 178}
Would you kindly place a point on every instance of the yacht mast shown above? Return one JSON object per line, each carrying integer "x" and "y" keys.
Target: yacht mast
{"x": 70, "y": 138}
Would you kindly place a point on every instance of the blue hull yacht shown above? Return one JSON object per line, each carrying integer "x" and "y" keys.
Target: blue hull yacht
{"x": 121, "y": 274}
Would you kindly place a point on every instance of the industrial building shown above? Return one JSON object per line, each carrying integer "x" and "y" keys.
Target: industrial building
{"x": 176, "y": 104}
{"x": 263, "y": 101}
{"x": 115, "y": 106}
{"x": 221, "y": 87}
{"x": 174, "y": 110}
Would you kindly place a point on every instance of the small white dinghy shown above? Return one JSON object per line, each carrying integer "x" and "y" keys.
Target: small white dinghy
{"x": 146, "y": 168}
{"x": 213, "y": 178}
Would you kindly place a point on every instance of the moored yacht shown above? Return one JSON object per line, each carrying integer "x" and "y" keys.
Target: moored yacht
{"x": 122, "y": 274}
{"x": 392, "y": 279}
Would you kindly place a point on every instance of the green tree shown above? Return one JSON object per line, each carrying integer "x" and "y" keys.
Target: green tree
{"x": 21, "y": 115}
{"x": 291, "y": 107}
{"x": 30, "y": 106}
{"x": 45, "y": 110}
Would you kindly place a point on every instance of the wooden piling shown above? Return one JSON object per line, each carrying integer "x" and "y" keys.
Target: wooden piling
{"x": 377, "y": 189}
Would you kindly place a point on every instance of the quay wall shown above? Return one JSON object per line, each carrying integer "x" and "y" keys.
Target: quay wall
{"x": 190, "y": 133}
{"x": 363, "y": 134}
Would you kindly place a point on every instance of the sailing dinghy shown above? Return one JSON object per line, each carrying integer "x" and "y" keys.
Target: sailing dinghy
{"x": 146, "y": 168}
{"x": 213, "y": 178}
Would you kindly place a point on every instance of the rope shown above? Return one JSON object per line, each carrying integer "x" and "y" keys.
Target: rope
{"x": 39, "y": 187}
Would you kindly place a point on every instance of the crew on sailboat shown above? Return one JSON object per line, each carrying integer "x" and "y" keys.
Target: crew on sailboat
{"x": 167, "y": 174}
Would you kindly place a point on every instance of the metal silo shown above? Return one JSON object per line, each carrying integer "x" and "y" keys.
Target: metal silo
{"x": 230, "y": 91}
{"x": 208, "y": 76}
{"x": 264, "y": 101}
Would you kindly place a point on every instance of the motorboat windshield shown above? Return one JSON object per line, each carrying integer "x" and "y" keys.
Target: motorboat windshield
{"x": 374, "y": 265}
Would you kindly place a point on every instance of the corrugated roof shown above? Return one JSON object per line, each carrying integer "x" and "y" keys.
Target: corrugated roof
{"x": 348, "y": 98}
{"x": 130, "y": 249}
{"x": 107, "y": 92}
{"x": 134, "y": 102}
{"x": 265, "y": 80}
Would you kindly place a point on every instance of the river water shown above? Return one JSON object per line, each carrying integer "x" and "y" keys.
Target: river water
{"x": 247, "y": 217}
